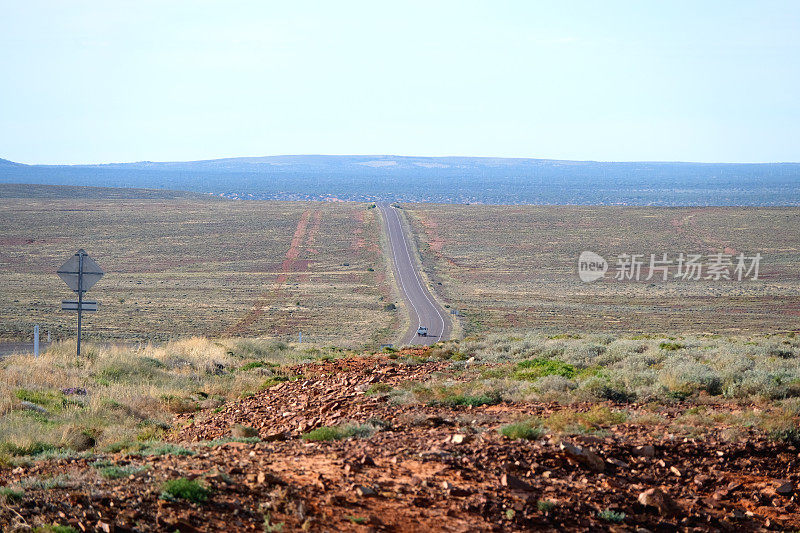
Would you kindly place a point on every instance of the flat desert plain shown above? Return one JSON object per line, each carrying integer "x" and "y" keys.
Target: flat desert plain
{"x": 185, "y": 266}
{"x": 516, "y": 267}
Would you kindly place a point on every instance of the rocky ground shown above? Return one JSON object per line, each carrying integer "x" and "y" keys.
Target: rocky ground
{"x": 426, "y": 467}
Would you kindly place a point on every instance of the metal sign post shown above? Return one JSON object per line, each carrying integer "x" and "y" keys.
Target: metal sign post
{"x": 80, "y": 296}
{"x": 80, "y": 273}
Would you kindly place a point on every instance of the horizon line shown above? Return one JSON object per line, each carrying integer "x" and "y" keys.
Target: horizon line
{"x": 406, "y": 156}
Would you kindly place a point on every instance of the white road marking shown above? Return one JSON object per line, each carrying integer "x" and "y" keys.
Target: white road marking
{"x": 416, "y": 275}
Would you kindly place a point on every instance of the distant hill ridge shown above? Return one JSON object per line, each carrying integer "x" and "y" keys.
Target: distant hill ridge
{"x": 18, "y": 190}
{"x": 441, "y": 179}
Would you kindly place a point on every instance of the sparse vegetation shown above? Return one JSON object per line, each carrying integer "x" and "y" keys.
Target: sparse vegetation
{"x": 10, "y": 495}
{"x": 378, "y": 389}
{"x": 116, "y": 472}
{"x": 512, "y": 256}
{"x": 185, "y": 489}
{"x": 326, "y": 433}
{"x": 55, "y": 528}
{"x": 670, "y": 346}
{"x": 609, "y": 515}
{"x": 465, "y": 400}
{"x": 621, "y": 369}
{"x": 124, "y": 398}
{"x": 595, "y": 419}
{"x": 533, "y": 369}
{"x": 201, "y": 265}
{"x": 528, "y": 430}
{"x": 545, "y": 506}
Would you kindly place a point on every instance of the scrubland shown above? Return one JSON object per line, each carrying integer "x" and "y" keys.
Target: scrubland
{"x": 188, "y": 267}
{"x": 514, "y": 268}
{"x": 121, "y": 397}
{"x": 533, "y": 431}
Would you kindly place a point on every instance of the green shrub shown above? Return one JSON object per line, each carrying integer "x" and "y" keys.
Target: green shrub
{"x": 52, "y": 401}
{"x": 326, "y": 433}
{"x": 378, "y": 388}
{"x": 528, "y": 430}
{"x": 130, "y": 370}
{"x": 147, "y": 448}
{"x": 117, "y": 472}
{"x": 256, "y": 364}
{"x": 685, "y": 375}
{"x": 340, "y": 432}
{"x": 55, "y": 528}
{"x": 671, "y": 346}
{"x": 11, "y": 495}
{"x": 610, "y": 515}
{"x": 47, "y": 483}
{"x": 272, "y": 381}
{"x": 184, "y": 489}
{"x": 533, "y": 369}
{"x": 35, "y": 448}
{"x": 545, "y": 506}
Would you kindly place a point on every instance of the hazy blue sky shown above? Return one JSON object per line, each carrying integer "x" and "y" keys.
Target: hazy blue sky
{"x": 176, "y": 80}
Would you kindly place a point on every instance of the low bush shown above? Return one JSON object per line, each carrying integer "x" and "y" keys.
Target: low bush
{"x": 117, "y": 472}
{"x": 671, "y": 346}
{"x": 533, "y": 369}
{"x": 327, "y": 433}
{"x": 528, "y": 430}
{"x": 610, "y": 515}
{"x": 594, "y": 420}
{"x": 11, "y": 495}
{"x": 466, "y": 400}
{"x": 185, "y": 489}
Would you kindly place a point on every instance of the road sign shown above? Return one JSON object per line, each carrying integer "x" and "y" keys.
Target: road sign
{"x": 70, "y": 272}
{"x": 85, "y": 305}
{"x": 80, "y": 273}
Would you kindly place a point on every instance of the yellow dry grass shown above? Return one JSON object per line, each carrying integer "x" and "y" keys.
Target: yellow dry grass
{"x": 116, "y": 393}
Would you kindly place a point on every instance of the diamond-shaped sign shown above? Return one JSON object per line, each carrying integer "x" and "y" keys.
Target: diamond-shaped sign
{"x": 71, "y": 272}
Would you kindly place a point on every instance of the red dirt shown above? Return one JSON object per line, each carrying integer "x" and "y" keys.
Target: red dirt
{"x": 686, "y": 227}
{"x": 290, "y": 265}
{"x": 415, "y": 475}
{"x": 435, "y": 242}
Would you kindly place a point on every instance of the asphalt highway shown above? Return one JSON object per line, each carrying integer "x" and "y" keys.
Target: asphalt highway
{"x": 422, "y": 308}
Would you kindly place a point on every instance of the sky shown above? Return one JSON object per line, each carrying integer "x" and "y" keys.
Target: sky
{"x": 100, "y": 81}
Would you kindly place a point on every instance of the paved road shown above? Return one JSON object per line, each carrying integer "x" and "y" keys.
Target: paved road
{"x": 422, "y": 308}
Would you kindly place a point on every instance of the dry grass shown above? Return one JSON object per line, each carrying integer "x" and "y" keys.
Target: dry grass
{"x": 514, "y": 268}
{"x": 118, "y": 394}
{"x": 711, "y": 384}
{"x": 621, "y": 369}
{"x": 185, "y": 267}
